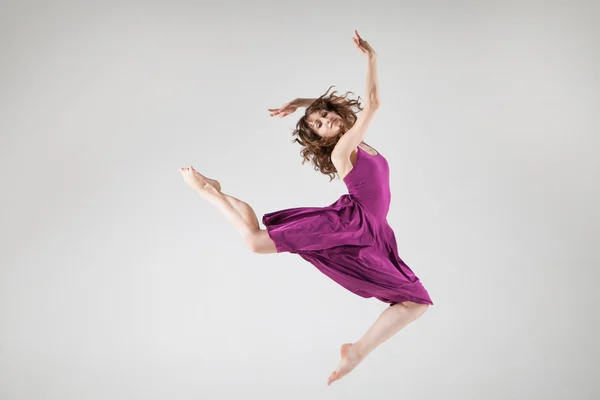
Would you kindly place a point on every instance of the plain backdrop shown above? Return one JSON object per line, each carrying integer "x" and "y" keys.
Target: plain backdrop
{"x": 117, "y": 281}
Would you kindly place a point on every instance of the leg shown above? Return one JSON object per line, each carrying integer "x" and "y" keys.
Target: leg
{"x": 387, "y": 325}
{"x": 239, "y": 213}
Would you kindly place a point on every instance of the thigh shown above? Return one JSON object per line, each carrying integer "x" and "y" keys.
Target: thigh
{"x": 413, "y": 305}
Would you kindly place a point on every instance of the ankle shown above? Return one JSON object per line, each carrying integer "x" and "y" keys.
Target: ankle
{"x": 359, "y": 351}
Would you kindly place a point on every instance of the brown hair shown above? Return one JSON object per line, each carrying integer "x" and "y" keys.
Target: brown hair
{"x": 315, "y": 148}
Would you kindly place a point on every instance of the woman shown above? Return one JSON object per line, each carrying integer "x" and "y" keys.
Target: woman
{"x": 350, "y": 240}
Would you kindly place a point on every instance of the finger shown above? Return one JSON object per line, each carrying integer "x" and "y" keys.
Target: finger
{"x": 280, "y": 108}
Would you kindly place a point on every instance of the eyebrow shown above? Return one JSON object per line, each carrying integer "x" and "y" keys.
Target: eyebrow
{"x": 319, "y": 112}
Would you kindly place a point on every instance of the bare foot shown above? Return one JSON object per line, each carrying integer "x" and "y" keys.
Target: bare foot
{"x": 197, "y": 181}
{"x": 350, "y": 359}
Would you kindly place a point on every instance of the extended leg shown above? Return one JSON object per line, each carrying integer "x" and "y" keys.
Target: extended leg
{"x": 391, "y": 320}
{"x": 239, "y": 213}
{"x": 388, "y": 324}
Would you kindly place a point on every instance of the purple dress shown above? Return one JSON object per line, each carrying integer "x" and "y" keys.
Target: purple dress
{"x": 350, "y": 240}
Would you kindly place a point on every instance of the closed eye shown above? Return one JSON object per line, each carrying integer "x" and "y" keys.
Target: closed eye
{"x": 324, "y": 115}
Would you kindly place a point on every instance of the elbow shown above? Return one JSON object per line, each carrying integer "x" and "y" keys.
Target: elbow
{"x": 374, "y": 100}
{"x": 374, "y": 104}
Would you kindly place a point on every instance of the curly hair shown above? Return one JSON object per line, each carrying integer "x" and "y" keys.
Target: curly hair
{"x": 315, "y": 148}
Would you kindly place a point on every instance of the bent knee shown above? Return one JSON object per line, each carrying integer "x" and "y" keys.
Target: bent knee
{"x": 415, "y": 306}
{"x": 260, "y": 242}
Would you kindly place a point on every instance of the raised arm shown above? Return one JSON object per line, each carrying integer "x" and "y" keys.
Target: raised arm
{"x": 303, "y": 102}
{"x": 290, "y": 107}
{"x": 372, "y": 85}
{"x": 355, "y": 135}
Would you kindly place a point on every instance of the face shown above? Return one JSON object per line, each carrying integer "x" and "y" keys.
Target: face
{"x": 325, "y": 123}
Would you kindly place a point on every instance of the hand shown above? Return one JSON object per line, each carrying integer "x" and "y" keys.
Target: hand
{"x": 363, "y": 45}
{"x": 284, "y": 110}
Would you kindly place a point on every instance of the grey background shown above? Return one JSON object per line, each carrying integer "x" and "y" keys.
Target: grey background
{"x": 119, "y": 282}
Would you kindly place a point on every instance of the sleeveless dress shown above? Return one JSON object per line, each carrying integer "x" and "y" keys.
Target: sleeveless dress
{"x": 350, "y": 240}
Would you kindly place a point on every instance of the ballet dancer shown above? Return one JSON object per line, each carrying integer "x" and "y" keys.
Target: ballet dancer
{"x": 350, "y": 241}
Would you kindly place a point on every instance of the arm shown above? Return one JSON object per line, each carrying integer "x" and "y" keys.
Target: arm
{"x": 372, "y": 85}
{"x": 303, "y": 102}
{"x": 351, "y": 139}
{"x": 290, "y": 107}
